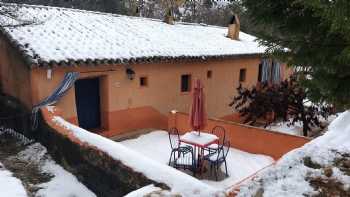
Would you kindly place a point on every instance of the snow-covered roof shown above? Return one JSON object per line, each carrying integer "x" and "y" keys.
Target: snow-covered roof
{"x": 70, "y": 36}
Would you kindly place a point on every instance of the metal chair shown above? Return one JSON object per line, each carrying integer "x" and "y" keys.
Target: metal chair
{"x": 176, "y": 148}
{"x": 218, "y": 158}
{"x": 221, "y": 133}
{"x": 185, "y": 160}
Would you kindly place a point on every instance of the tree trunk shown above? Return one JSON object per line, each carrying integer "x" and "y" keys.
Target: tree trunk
{"x": 305, "y": 129}
{"x": 303, "y": 119}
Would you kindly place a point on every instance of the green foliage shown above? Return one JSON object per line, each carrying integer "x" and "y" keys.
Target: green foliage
{"x": 317, "y": 36}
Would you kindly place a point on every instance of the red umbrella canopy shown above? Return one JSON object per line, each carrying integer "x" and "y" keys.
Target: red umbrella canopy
{"x": 198, "y": 114}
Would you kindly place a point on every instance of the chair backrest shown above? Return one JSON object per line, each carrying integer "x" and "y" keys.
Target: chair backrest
{"x": 220, "y": 132}
{"x": 174, "y": 137}
{"x": 223, "y": 150}
{"x": 185, "y": 160}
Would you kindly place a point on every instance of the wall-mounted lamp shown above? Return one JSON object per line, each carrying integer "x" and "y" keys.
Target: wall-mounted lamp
{"x": 130, "y": 73}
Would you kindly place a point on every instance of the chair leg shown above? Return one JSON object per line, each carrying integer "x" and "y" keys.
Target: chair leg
{"x": 211, "y": 169}
{"x": 174, "y": 155}
{"x": 216, "y": 171}
{"x": 171, "y": 155}
{"x": 226, "y": 168}
{"x": 194, "y": 165}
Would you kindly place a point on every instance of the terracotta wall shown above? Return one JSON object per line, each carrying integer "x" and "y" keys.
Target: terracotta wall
{"x": 234, "y": 117}
{"x": 14, "y": 74}
{"x": 122, "y": 121}
{"x": 246, "y": 138}
{"x": 116, "y": 116}
{"x": 163, "y": 90}
{"x": 121, "y": 96}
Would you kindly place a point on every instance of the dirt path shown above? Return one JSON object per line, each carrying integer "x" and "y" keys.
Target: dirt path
{"x": 27, "y": 172}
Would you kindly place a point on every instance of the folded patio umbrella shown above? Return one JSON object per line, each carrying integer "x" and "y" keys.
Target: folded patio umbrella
{"x": 198, "y": 115}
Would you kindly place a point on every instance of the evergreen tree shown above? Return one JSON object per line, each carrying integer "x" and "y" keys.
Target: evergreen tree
{"x": 313, "y": 36}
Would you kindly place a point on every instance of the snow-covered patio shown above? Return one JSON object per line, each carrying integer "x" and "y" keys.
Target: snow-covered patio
{"x": 155, "y": 145}
{"x": 147, "y": 155}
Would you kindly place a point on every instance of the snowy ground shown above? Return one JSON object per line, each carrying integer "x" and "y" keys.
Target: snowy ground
{"x": 321, "y": 167}
{"x": 63, "y": 183}
{"x": 10, "y": 186}
{"x": 143, "y": 191}
{"x": 297, "y": 128}
{"x": 155, "y": 145}
{"x": 21, "y": 158}
{"x": 283, "y": 127}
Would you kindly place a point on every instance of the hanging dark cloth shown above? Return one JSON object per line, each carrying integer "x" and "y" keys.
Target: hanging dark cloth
{"x": 266, "y": 70}
{"x": 65, "y": 85}
{"x": 271, "y": 71}
{"x": 276, "y": 72}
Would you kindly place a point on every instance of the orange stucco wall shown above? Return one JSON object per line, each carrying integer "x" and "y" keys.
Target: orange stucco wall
{"x": 234, "y": 117}
{"x": 14, "y": 75}
{"x": 116, "y": 116}
{"x": 246, "y": 138}
{"x": 125, "y": 105}
{"x": 163, "y": 90}
{"x": 121, "y": 121}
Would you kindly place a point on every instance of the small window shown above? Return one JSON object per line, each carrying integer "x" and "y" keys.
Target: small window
{"x": 143, "y": 81}
{"x": 242, "y": 74}
{"x": 209, "y": 74}
{"x": 185, "y": 83}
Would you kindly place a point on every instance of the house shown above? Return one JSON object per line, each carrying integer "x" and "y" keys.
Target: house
{"x": 132, "y": 70}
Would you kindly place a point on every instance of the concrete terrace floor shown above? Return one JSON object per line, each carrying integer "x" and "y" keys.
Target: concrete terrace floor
{"x": 155, "y": 145}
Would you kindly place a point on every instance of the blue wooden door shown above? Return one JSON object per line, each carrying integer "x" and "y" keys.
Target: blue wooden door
{"x": 87, "y": 97}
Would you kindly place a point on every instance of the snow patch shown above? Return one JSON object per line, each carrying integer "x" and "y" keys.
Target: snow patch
{"x": 62, "y": 179}
{"x": 297, "y": 128}
{"x": 63, "y": 183}
{"x": 143, "y": 191}
{"x": 283, "y": 127}
{"x": 287, "y": 178}
{"x": 9, "y": 185}
{"x": 51, "y": 109}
